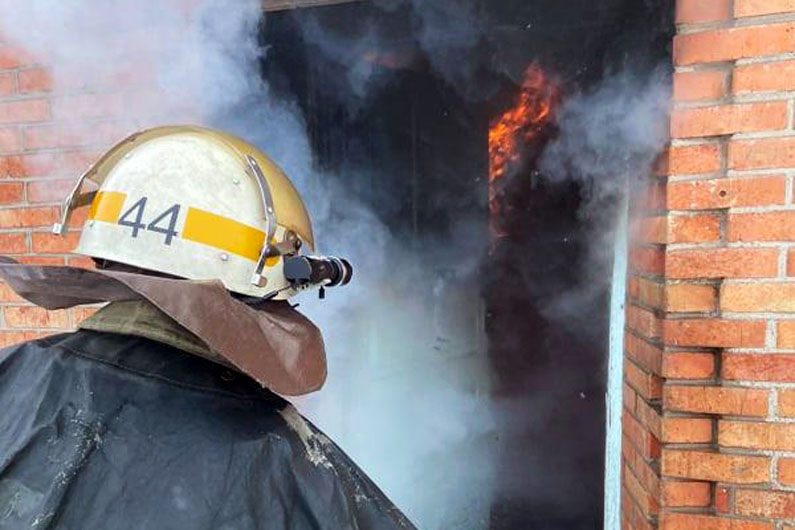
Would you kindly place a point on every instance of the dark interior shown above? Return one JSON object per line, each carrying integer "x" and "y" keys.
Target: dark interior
{"x": 421, "y": 128}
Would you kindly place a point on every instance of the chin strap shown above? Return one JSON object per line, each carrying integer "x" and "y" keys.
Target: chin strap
{"x": 74, "y": 200}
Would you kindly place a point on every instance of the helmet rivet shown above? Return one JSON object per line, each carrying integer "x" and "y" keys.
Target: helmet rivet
{"x": 235, "y": 182}
{"x": 224, "y": 257}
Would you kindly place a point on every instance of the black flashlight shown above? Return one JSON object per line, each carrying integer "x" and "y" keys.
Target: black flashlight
{"x": 305, "y": 271}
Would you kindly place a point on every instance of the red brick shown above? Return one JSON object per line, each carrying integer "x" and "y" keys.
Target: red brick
{"x": 728, "y": 119}
{"x": 10, "y": 140}
{"x": 8, "y": 84}
{"x": 786, "y": 334}
{"x": 649, "y": 418}
{"x": 722, "y": 263}
{"x": 48, "y": 243}
{"x": 645, "y": 500}
{"x": 11, "y": 192}
{"x": 786, "y": 471}
{"x": 766, "y": 367}
{"x": 686, "y": 430}
{"x": 51, "y": 136}
{"x": 791, "y": 262}
{"x": 41, "y": 260}
{"x": 734, "y": 43}
{"x": 684, "y": 494}
{"x": 12, "y": 167}
{"x": 13, "y": 243}
{"x": 726, "y": 193}
{"x": 643, "y": 321}
{"x": 687, "y": 298}
{"x": 70, "y": 163}
{"x": 34, "y": 80}
{"x": 632, "y": 287}
{"x": 79, "y": 314}
{"x": 754, "y": 435}
{"x": 28, "y": 217}
{"x": 647, "y": 385}
{"x": 49, "y": 190}
{"x": 640, "y": 438}
{"x": 758, "y": 297}
{"x": 764, "y": 77}
{"x": 26, "y": 110}
{"x": 629, "y": 397}
{"x": 688, "y": 365}
{"x": 700, "y": 465}
{"x": 642, "y": 522}
{"x": 715, "y": 400}
{"x": 714, "y": 333}
{"x": 8, "y": 295}
{"x": 78, "y": 218}
{"x": 647, "y": 260}
{"x": 703, "y": 85}
{"x": 700, "y": 11}
{"x": 14, "y": 57}
{"x": 762, "y": 153}
{"x": 643, "y": 353}
{"x": 35, "y": 317}
{"x": 650, "y": 230}
{"x": 722, "y": 499}
{"x": 693, "y": 159}
{"x": 693, "y": 229}
{"x": 773, "y": 226}
{"x": 650, "y": 293}
{"x": 81, "y": 261}
{"x": 752, "y": 8}
{"x": 10, "y": 338}
{"x": 692, "y": 521}
{"x": 760, "y": 503}
{"x": 648, "y": 476}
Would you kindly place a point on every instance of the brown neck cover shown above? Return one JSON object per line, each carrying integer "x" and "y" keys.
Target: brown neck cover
{"x": 274, "y": 344}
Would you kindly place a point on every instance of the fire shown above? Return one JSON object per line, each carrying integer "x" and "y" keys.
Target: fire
{"x": 519, "y": 127}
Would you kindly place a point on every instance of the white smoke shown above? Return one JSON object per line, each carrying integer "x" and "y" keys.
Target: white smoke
{"x": 407, "y": 386}
{"x": 609, "y": 138}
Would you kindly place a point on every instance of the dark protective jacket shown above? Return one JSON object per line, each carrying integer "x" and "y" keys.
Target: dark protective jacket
{"x": 102, "y": 431}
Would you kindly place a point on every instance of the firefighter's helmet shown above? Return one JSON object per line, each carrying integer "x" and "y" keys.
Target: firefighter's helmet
{"x": 194, "y": 203}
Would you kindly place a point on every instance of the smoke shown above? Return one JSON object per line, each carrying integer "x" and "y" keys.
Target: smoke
{"x": 407, "y": 376}
{"x": 608, "y": 140}
{"x": 443, "y": 33}
{"x": 409, "y": 383}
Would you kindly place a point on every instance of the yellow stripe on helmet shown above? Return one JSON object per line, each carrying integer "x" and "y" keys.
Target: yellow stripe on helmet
{"x": 107, "y": 206}
{"x": 224, "y": 234}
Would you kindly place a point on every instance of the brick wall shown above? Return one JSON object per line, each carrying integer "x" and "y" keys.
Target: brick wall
{"x": 709, "y": 418}
{"x": 49, "y": 134}
{"x": 36, "y": 172}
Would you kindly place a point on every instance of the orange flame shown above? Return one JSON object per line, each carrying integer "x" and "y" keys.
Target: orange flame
{"x": 519, "y": 126}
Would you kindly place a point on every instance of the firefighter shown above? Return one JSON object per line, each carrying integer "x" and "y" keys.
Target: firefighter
{"x": 163, "y": 411}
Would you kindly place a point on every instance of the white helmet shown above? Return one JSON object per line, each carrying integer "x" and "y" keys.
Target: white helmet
{"x": 198, "y": 204}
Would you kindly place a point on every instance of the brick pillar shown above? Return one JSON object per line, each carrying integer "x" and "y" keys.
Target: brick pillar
{"x": 710, "y": 345}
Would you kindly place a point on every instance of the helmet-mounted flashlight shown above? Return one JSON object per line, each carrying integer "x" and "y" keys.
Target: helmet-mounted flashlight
{"x": 303, "y": 272}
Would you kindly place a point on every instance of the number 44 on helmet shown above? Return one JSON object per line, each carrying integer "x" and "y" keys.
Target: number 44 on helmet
{"x": 201, "y": 204}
